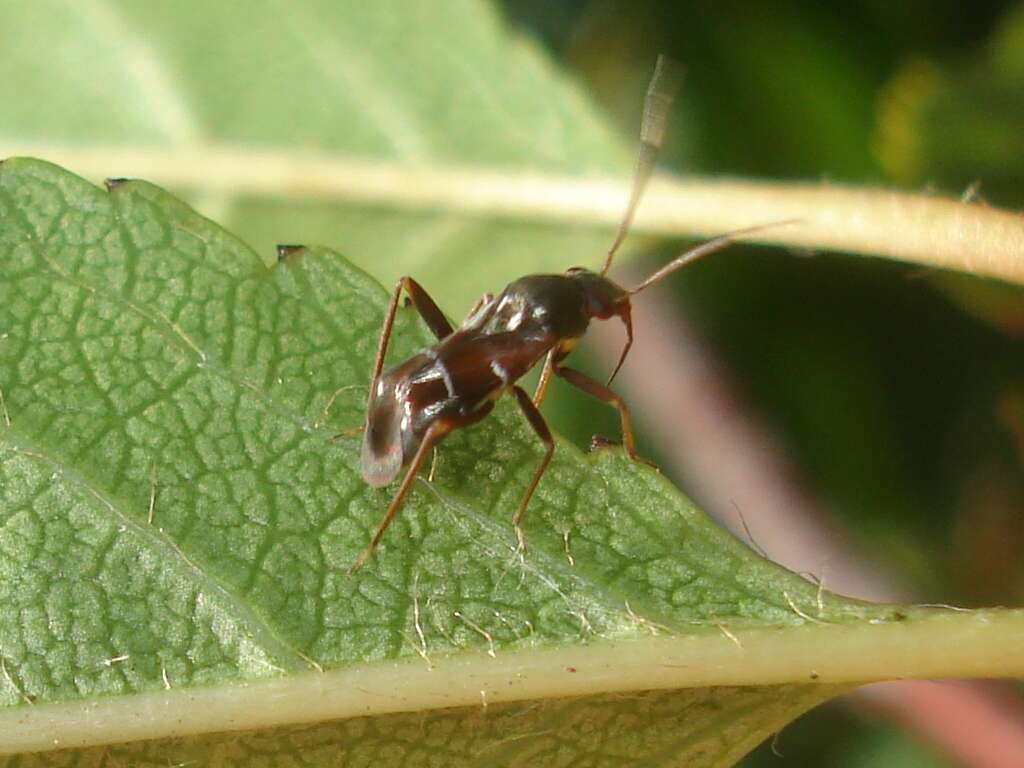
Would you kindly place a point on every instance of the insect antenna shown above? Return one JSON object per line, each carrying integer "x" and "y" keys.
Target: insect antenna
{"x": 705, "y": 249}
{"x": 660, "y": 95}
{"x": 688, "y": 257}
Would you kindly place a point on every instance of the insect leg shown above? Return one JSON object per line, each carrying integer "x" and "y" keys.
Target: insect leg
{"x": 428, "y": 309}
{"x": 486, "y": 298}
{"x": 541, "y": 428}
{"x": 432, "y": 316}
{"x": 545, "y": 377}
{"x": 557, "y": 354}
{"x": 435, "y": 432}
{"x": 601, "y": 392}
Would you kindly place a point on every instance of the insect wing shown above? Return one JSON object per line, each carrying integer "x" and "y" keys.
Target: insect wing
{"x": 383, "y": 456}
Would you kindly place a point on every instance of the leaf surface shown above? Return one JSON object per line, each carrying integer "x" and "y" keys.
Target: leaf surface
{"x": 175, "y": 520}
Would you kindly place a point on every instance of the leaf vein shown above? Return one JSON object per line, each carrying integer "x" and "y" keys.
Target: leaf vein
{"x": 283, "y": 652}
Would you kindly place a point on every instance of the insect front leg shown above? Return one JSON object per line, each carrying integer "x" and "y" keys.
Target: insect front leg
{"x": 601, "y": 392}
{"x": 555, "y": 355}
{"x": 541, "y": 428}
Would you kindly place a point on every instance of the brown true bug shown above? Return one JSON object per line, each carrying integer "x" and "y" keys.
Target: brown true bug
{"x": 455, "y": 383}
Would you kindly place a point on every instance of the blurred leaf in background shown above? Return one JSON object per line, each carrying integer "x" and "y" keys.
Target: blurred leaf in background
{"x": 873, "y": 350}
{"x": 897, "y": 390}
{"x": 955, "y": 122}
{"x": 130, "y": 82}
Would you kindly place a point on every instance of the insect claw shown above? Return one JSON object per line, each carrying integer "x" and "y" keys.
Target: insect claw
{"x": 114, "y": 183}
{"x": 365, "y": 555}
{"x": 598, "y": 443}
{"x": 521, "y": 541}
{"x": 284, "y": 251}
{"x": 345, "y": 433}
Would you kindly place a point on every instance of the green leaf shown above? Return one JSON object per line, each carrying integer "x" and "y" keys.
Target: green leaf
{"x": 958, "y": 127}
{"x": 175, "y": 521}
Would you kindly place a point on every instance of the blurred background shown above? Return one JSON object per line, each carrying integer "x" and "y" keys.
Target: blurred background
{"x": 865, "y": 418}
{"x": 888, "y": 400}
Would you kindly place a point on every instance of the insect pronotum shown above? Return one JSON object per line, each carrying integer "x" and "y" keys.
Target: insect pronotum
{"x": 455, "y": 382}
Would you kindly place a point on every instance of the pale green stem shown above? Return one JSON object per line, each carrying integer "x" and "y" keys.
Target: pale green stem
{"x": 924, "y": 229}
{"x": 931, "y": 644}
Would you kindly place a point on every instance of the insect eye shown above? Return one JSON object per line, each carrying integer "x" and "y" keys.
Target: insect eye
{"x": 575, "y": 270}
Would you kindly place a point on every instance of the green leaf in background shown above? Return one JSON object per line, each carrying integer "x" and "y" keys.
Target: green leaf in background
{"x": 353, "y": 87}
{"x": 176, "y": 520}
{"x": 958, "y": 128}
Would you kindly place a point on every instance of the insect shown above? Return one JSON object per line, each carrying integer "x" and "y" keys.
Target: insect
{"x": 455, "y": 383}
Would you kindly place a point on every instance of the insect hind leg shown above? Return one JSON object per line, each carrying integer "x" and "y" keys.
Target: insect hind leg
{"x": 428, "y": 310}
{"x": 427, "y": 307}
{"x": 434, "y": 433}
{"x": 544, "y": 433}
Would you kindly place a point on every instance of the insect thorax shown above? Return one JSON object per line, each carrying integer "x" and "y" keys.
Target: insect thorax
{"x": 553, "y": 306}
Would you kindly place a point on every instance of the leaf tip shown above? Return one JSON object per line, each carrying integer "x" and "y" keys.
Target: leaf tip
{"x": 284, "y": 251}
